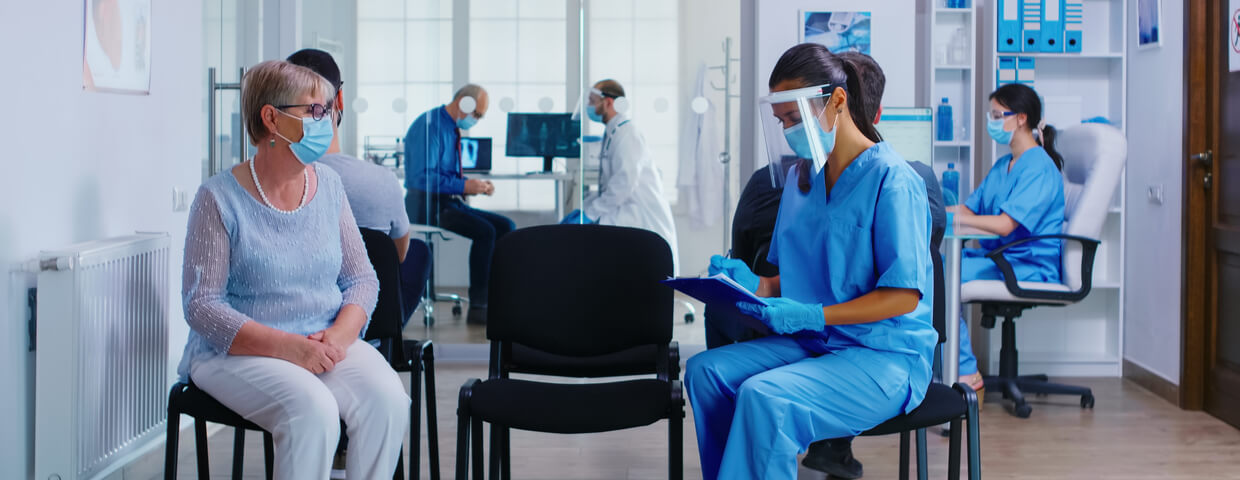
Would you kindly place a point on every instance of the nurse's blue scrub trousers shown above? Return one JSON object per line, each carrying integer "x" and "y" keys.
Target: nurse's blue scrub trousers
{"x": 759, "y": 403}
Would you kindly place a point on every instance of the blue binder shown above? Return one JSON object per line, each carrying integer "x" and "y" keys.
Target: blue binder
{"x": 1052, "y": 26}
{"x": 1073, "y": 25}
{"x": 1009, "y": 25}
{"x": 1006, "y": 73}
{"x": 1024, "y": 71}
{"x": 1031, "y": 23}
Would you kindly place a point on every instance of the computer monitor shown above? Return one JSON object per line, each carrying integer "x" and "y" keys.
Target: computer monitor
{"x": 475, "y": 154}
{"x": 909, "y": 131}
{"x": 545, "y": 135}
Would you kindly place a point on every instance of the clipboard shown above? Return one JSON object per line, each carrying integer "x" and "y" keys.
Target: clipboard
{"x": 722, "y": 292}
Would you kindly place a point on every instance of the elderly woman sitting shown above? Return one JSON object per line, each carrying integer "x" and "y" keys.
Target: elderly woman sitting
{"x": 277, "y": 290}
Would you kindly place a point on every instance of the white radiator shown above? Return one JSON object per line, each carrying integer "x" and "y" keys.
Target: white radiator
{"x": 101, "y": 354}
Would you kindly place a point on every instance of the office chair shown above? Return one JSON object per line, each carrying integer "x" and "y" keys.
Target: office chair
{"x": 617, "y": 321}
{"x": 430, "y": 295}
{"x": 414, "y": 356}
{"x": 1094, "y": 155}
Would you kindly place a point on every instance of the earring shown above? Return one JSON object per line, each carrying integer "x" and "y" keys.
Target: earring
{"x": 273, "y": 143}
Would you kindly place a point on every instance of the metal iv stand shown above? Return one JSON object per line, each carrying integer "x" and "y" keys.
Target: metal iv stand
{"x": 725, "y": 157}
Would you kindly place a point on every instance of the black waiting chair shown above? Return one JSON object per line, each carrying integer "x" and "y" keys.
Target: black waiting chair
{"x": 617, "y": 320}
{"x": 414, "y": 356}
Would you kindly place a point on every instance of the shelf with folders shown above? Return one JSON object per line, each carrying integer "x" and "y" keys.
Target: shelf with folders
{"x": 1060, "y": 28}
{"x": 1091, "y": 85}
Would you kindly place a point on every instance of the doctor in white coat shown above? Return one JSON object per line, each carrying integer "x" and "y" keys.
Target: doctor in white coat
{"x": 630, "y": 186}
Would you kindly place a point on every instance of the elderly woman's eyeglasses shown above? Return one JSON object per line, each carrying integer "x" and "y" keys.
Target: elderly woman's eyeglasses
{"x": 317, "y": 111}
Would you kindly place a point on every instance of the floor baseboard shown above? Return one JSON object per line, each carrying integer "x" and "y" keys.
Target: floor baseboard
{"x": 1156, "y": 384}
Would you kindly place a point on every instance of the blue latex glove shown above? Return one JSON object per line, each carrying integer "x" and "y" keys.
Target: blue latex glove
{"x": 786, "y": 316}
{"x": 736, "y": 270}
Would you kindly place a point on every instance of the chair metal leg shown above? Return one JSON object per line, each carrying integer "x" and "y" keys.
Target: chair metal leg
{"x": 432, "y": 416}
{"x": 497, "y": 450}
{"x": 269, "y": 455}
{"x": 399, "y": 474}
{"x": 172, "y": 443}
{"x": 200, "y": 446}
{"x": 675, "y": 444}
{"x": 975, "y": 449}
{"x": 923, "y": 466}
{"x": 505, "y": 441}
{"x": 462, "y": 430}
{"x": 479, "y": 471}
{"x": 415, "y": 417}
{"x": 904, "y": 455}
{"x": 238, "y": 452}
{"x": 953, "y": 452}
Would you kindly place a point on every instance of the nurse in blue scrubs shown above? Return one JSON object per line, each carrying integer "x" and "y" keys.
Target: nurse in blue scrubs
{"x": 1021, "y": 197}
{"x": 851, "y": 308}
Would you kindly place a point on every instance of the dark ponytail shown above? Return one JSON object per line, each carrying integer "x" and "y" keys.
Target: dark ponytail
{"x": 1020, "y": 98}
{"x": 811, "y": 64}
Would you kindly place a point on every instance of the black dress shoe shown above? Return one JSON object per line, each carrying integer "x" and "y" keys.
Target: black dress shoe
{"x": 833, "y": 457}
{"x": 476, "y": 316}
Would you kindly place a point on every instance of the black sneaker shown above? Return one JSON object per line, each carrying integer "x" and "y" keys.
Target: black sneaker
{"x": 833, "y": 457}
{"x": 476, "y": 316}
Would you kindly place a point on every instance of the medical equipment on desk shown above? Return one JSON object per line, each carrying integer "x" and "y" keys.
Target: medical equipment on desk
{"x": 546, "y": 135}
{"x": 378, "y": 149}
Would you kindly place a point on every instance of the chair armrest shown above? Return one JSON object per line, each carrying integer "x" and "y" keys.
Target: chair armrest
{"x": 1013, "y": 286}
{"x": 673, "y": 360}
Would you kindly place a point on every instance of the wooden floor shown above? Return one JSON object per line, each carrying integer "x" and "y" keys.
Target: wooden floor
{"x": 1130, "y": 435}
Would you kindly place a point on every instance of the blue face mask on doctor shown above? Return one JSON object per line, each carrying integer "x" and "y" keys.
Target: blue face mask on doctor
{"x": 316, "y": 137}
{"x": 467, "y": 123}
{"x": 798, "y": 139}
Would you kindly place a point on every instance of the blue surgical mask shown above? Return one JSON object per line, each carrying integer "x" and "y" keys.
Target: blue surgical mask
{"x": 798, "y": 139}
{"x": 996, "y": 131}
{"x": 467, "y": 123}
{"x": 316, "y": 138}
{"x": 594, "y": 115}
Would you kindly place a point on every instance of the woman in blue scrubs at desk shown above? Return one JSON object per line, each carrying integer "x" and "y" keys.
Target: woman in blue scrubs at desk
{"x": 1021, "y": 197}
{"x": 852, "y": 304}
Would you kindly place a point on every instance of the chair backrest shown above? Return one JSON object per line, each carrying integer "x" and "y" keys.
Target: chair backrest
{"x": 580, "y": 290}
{"x": 385, "y": 321}
{"x": 1094, "y": 156}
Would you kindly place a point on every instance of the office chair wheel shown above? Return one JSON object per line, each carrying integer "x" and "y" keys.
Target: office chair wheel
{"x": 1022, "y": 410}
{"x": 1087, "y": 401}
{"x": 689, "y": 317}
{"x": 456, "y": 310}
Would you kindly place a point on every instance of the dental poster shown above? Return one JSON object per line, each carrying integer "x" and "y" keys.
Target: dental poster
{"x": 116, "y": 50}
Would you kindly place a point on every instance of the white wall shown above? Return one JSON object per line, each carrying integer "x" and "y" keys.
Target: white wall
{"x": 1154, "y": 266}
{"x": 80, "y": 166}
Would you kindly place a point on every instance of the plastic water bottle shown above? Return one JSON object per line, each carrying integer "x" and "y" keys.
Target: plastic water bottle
{"x": 944, "y": 125}
{"x": 951, "y": 185}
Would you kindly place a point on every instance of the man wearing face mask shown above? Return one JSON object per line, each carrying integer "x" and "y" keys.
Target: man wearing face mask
{"x": 630, "y": 186}
{"x": 436, "y": 187}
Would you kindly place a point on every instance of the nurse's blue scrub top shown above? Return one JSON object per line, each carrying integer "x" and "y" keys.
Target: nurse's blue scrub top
{"x": 1032, "y": 194}
{"x": 872, "y": 231}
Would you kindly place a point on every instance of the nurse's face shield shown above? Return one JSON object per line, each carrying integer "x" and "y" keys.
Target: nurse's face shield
{"x": 794, "y": 124}
{"x": 591, "y": 101}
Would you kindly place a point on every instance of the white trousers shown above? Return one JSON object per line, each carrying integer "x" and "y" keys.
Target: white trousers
{"x": 303, "y": 410}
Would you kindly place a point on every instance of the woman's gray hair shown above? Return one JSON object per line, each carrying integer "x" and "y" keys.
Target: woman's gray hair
{"x": 276, "y": 82}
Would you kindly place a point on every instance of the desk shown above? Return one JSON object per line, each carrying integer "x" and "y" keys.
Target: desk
{"x": 955, "y": 238}
{"x": 558, "y": 177}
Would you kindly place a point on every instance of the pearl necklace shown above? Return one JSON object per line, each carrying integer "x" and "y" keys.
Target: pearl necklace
{"x": 304, "y": 192}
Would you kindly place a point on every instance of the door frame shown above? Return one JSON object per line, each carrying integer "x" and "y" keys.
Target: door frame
{"x": 1201, "y": 74}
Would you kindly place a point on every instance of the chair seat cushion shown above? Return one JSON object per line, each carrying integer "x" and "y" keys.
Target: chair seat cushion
{"x": 190, "y": 400}
{"x": 570, "y": 408}
{"x": 941, "y": 405}
{"x": 634, "y": 361}
{"x": 996, "y": 291}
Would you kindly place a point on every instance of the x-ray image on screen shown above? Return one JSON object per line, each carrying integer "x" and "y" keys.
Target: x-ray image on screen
{"x": 543, "y": 135}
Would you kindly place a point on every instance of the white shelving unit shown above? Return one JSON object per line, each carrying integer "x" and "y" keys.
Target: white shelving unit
{"x": 1085, "y": 339}
{"x": 954, "y": 75}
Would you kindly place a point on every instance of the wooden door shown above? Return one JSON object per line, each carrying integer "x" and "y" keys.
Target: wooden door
{"x": 1212, "y": 300}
